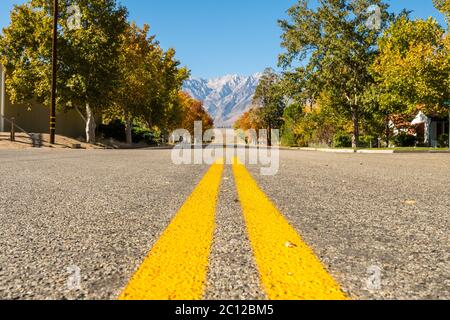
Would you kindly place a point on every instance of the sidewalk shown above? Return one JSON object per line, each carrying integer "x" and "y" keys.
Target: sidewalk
{"x": 23, "y": 141}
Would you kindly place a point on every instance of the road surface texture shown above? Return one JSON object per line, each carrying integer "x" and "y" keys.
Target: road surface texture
{"x": 379, "y": 224}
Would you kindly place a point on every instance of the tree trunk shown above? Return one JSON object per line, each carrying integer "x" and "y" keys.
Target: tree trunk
{"x": 355, "y": 119}
{"x": 269, "y": 136}
{"x": 128, "y": 129}
{"x": 90, "y": 125}
{"x": 388, "y": 132}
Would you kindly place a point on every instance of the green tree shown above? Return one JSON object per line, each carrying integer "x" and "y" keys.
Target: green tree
{"x": 291, "y": 116}
{"x": 148, "y": 90}
{"x": 88, "y": 56}
{"x": 412, "y": 69}
{"x": 137, "y": 74}
{"x": 269, "y": 96}
{"x": 335, "y": 43}
{"x": 163, "y": 109}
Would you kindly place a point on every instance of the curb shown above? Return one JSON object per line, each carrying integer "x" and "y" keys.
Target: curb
{"x": 373, "y": 151}
{"x": 376, "y": 151}
{"x": 328, "y": 150}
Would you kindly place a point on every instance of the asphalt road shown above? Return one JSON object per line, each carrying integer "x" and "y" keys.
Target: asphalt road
{"x": 100, "y": 212}
{"x": 361, "y": 213}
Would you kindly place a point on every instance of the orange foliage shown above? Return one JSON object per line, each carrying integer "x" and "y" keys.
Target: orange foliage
{"x": 193, "y": 111}
{"x": 249, "y": 120}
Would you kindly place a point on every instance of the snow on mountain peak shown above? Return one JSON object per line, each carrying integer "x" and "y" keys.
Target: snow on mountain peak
{"x": 225, "y": 98}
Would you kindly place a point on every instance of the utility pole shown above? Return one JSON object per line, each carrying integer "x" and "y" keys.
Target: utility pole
{"x": 54, "y": 72}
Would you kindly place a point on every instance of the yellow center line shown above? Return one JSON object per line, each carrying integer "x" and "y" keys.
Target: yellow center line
{"x": 176, "y": 267}
{"x": 288, "y": 268}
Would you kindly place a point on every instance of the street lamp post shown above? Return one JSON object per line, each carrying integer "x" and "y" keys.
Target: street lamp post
{"x": 54, "y": 73}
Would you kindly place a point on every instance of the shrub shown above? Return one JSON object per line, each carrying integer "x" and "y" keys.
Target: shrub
{"x": 288, "y": 137}
{"x": 140, "y": 134}
{"x": 342, "y": 140}
{"x": 405, "y": 140}
{"x": 116, "y": 130}
{"x": 368, "y": 141}
{"x": 443, "y": 140}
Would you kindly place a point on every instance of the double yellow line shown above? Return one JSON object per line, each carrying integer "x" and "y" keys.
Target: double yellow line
{"x": 176, "y": 268}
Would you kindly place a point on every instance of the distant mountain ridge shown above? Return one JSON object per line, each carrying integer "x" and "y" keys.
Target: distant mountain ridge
{"x": 225, "y": 98}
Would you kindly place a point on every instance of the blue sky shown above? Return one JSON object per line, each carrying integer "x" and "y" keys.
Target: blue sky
{"x": 218, "y": 37}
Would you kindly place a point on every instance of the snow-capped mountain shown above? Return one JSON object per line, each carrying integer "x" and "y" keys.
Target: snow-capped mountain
{"x": 225, "y": 98}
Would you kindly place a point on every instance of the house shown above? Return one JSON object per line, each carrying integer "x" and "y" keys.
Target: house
{"x": 36, "y": 118}
{"x": 430, "y": 129}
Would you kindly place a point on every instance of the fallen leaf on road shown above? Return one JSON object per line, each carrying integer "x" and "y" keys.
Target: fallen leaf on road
{"x": 410, "y": 202}
{"x": 290, "y": 245}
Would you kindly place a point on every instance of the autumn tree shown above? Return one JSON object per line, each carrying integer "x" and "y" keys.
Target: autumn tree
{"x": 165, "y": 108}
{"x": 150, "y": 82}
{"x": 193, "y": 111}
{"x": 249, "y": 120}
{"x": 444, "y": 6}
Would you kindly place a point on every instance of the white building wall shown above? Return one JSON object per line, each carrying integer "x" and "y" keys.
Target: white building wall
{"x": 35, "y": 119}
